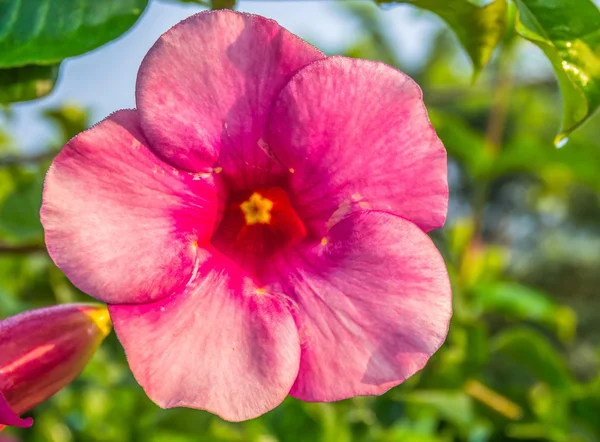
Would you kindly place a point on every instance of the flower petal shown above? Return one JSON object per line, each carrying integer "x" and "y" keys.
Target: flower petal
{"x": 205, "y": 89}
{"x": 223, "y": 345}
{"x": 121, "y": 224}
{"x": 9, "y": 417}
{"x": 374, "y": 303}
{"x": 356, "y": 135}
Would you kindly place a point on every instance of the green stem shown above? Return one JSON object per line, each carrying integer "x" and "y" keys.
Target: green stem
{"x": 25, "y": 249}
{"x": 496, "y": 126}
{"x": 7, "y": 161}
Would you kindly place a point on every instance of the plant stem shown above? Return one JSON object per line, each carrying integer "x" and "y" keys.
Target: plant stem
{"x": 496, "y": 127}
{"x": 24, "y": 249}
{"x": 14, "y": 160}
{"x": 500, "y": 105}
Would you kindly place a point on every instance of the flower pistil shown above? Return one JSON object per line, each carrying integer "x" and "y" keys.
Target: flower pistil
{"x": 257, "y": 209}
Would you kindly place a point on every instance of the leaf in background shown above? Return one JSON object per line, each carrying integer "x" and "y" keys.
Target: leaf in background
{"x": 70, "y": 119}
{"x": 522, "y": 302}
{"x": 585, "y": 406}
{"x": 526, "y": 153}
{"x": 375, "y": 44}
{"x": 451, "y": 405}
{"x": 532, "y": 351}
{"x": 27, "y": 83}
{"x": 478, "y": 28}
{"x": 19, "y": 211}
{"x": 46, "y": 31}
{"x": 222, "y": 4}
{"x": 569, "y": 34}
{"x": 462, "y": 142}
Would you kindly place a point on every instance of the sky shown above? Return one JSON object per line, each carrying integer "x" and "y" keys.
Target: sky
{"x": 104, "y": 79}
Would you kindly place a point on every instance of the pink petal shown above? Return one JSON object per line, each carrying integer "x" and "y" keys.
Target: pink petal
{"x": 205, "y": 89}
{"x": 374, "y": 303}
{"x": 9, "y": 417}
{"x": 121, "y": 224}
{"x": 223, "y": 345}
{"x": 356, "y": 135}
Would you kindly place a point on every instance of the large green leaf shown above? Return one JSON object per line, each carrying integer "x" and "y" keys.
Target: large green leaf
{"x": 523, "y": 302}
{"x": 46, "y": 31}
{"x": 26, "y": 83}
{"x": 569, "y": 34}
{"x": 530, "y": 350}
{"x": 478, "y": 28}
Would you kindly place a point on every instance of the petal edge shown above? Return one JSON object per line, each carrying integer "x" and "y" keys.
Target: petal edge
{"x": 357, "y": 135}
{"x": 223, "y": 346}
{"x": 374, "y": 303}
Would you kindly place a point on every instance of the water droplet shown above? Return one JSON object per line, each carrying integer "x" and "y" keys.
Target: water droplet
{"x": 561, "y": 141}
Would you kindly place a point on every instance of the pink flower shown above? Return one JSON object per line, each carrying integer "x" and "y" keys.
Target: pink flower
{"x": 43, "y": 350}
{"x": 257, "y": 225}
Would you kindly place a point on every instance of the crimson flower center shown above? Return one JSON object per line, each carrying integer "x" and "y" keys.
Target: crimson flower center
{"x": 256, "y": 225}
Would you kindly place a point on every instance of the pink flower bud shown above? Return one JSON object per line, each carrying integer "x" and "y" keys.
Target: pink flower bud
{"x": 43, "y": 350}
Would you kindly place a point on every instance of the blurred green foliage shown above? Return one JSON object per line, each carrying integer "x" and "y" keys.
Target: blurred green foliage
{"x": 522, "y": 245}
{"x": 478, "y": 28}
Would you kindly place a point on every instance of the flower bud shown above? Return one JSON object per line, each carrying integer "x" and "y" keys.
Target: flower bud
{"x": 43, "y": 350}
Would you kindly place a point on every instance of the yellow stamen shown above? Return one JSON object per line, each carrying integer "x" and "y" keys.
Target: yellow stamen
{"x": 324, "y": 241}
{"x": 257, "y": 210}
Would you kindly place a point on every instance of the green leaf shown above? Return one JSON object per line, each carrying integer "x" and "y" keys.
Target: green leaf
{"x": 462, "y": 142}
{"x": 19, "y": 211}
{"x": 478, "y": 28}
{"x": 569, "y": 34}
{"x": 26, "y": 83}
{"x": 585, "y": 406}
{"x": 222, "y": 4}
{"x": 526, "y": 153}
{"x": 47, "y": 31}
{"x": 453, "y": 406}
{"x": 521, "y": 302}
{"x": 532, "y": 351}
{"x": 70, "y": 119}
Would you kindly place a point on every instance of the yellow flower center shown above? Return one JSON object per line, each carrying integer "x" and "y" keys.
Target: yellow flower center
{"x": 257, "y": 210}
